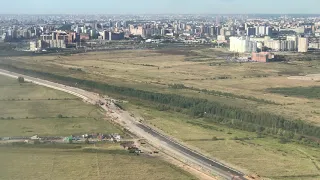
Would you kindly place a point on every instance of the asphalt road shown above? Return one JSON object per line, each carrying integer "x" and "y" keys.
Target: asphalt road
{"x": 222, "y": 169}
{"x": 157, "y": 139}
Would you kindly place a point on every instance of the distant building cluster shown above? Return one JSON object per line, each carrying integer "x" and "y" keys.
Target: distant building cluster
{"x": 275, "y": 35}
{"x": 244, "y": 33}
{"x": 245, "y": 44}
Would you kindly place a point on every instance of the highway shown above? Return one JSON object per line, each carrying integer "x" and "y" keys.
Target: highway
{"x": 161, "y": 141}
{"x": 219, "y": 168}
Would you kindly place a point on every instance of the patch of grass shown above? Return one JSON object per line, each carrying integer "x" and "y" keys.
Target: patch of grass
{"x": 31, "y": 112}
{"x": 127, "y": 69}
{"x": 307, "y": 92}
{"x": 55, "y": 126}
{"x": 52, "y": 163}
{"x": 240, "y": 149}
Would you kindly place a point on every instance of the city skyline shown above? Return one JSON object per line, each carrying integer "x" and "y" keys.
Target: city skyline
{"x": 162, "y": 7}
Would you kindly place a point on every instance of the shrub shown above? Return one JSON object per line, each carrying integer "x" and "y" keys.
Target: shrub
{"x": 21, "y": 79}
{"x": 283, "y": 140}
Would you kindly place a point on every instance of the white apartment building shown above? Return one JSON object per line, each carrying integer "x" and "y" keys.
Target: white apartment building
{"x": 303, "y": 44}
{"x": 242, "y": 45}
{"x": 273, "y": 44}
{"x": 314, "y": 45}
{"x": 268, "y": 31}
{"x": 33, "y": 46}
{"x": 262, "y": 30}
{"x": 291, "y": 45}
{"x": 295, "y": 40}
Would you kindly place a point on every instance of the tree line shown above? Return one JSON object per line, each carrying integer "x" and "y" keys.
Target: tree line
{"x": 231, "y": 116}
{"x": 219, "y": 93}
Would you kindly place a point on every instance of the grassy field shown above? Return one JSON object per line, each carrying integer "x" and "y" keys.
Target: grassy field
{"x": 70, "y": 163}
{"x": 240, "y": 149}
{"x": 204, "y": 73}
{"x": 308, "y": 92}
{"x": 155, "y": 70}
{"x": 25, "y": 110}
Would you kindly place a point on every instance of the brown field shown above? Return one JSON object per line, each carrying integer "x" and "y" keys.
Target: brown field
{"x": 155, "y": 70}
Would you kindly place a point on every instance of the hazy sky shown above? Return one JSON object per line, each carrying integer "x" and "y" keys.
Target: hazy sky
{"x": 159, "y": 6}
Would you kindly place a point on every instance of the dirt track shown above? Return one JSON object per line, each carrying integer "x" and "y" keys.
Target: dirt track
{"x": 309, "y": 77}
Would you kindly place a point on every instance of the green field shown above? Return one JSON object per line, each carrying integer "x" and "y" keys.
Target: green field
{"x": 307, "y": 92}
{"x": 66, "y": 162}
{"x": 25, "y": 110}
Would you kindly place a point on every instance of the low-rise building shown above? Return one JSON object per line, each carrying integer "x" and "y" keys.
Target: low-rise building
{"x": 314, "y": 45}
{"x": 262, "y": 57}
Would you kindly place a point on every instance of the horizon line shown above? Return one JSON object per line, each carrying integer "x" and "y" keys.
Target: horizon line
{"x": 159, "y": 13}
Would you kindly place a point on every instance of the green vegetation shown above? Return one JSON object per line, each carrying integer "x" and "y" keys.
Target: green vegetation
{"x": 27, "y": 109}
{"x": 71, "y": 162}
{"x": 219, "y": 93}
{"x": 20, "y": 79}
{"x": 55, "y": 126}
{"x": 221, "y": 108}
{"x": 216, "y": 112}
{"x": 243, "y": 150}
{"x": 30, "y": 109}
{"x": 307, "y": 92}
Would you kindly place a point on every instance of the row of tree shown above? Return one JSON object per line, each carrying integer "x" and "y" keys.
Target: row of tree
{"x": 220, "y": 93}
{"x": 232, "y": 116}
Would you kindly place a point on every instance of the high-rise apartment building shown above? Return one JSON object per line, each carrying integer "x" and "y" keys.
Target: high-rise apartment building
{"x": 303, "y": 44}
{"x": 257, "y": 30}
{"x": 283, "y": 45}
{"x": 268, "y": 31}
{"x": 262, "y": 30}
{"x": 273, "y": 44}
{"x": 295, "y": 40}
{"x": 242, "y": 45}
{"x": 251, "y": 31}
{"x": 291, "y": 45}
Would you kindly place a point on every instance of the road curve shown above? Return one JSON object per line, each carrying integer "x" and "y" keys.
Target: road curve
{"x": 154, "y": 137}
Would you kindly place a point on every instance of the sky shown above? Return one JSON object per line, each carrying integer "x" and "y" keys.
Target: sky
{"x": 160, "y": 6}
